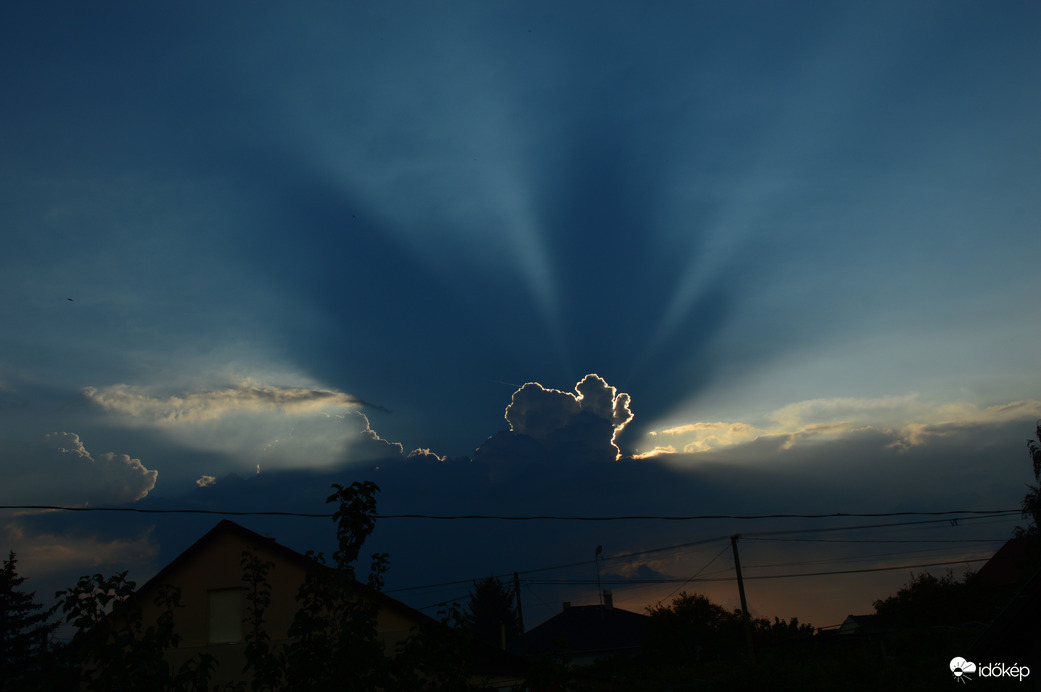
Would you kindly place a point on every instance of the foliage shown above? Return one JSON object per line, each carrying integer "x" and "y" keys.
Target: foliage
{"x": 24, "y": 628}
{"x": 355, "y": 519}
{"x": 930, "y": 601}
{"x": 1031, "y": 505}
{"x": 114, "y": 650}
{"x": 264, "y": 665}
{"x": 435, "y": 659}
{"x": 694, "y": 628}
{"x": 333, "y": 637}
{"x": 490, "y": 609}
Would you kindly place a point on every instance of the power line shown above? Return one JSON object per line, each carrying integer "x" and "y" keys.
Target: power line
{"x": 1001, "y": 539}
{"x": 764, "y": 536}
{"x": 984, "y": 514}
{"x": 524, "y": 517}
{"x": 692, "y": 517}
{"x": 967, "y": 514}
{"x": 587, "y": 582}
{"x": 145, "y": 510}
{"x": 850, "y": 558}
{"x": 693, "y": 576}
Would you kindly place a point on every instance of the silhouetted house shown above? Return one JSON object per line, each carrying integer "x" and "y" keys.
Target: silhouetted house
{"x": 865, "y": 635}
{"x": 1013, "y": 635}
{"x": 213, "y": 595}
{"x": 1013, "y": 564}
{"x": 861, "y": 625}
{"x": 589, "y": 633}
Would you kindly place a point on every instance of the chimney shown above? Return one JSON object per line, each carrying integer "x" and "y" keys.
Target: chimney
{"x": 608, "y": 599}
{"x": 567, "y": 604}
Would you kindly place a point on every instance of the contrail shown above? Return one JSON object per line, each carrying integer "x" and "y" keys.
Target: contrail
{"x": 508, "y": 384}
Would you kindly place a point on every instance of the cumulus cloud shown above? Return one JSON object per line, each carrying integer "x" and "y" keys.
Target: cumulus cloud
{"x": 549, "y": 425}
{"x": 423, "y": 454}
{"x": 373, "y": 446}
{"x": 324, "y": 441}
{"x": 109, "y": 477}
{"x": 206, "y": 481}
{"x": 540, "y": 412}
{"x": 211, "y": 405}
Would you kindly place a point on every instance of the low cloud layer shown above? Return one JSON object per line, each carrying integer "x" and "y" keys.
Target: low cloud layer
{"x": 41, "y": 552}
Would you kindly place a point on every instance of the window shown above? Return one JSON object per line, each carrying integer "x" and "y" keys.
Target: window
{"x": 226, "y": 611}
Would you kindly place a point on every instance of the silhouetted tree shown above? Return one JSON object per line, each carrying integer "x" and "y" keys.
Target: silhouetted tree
{"x": 114, "y": 649}
{"x": 333, "y": 638}
{"x": 692, "y": 627}
{"x": 927, "y": 601}
{"x": 24, "y": 629}
{"x": 264, "y": 662}
{"x": 491, "y": 610}
{"x": 1032, "y": 500}
{"x": 435, "y": 658}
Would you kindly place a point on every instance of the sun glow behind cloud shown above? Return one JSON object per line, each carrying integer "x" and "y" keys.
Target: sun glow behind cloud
{"x": 211, "y": 405}
{"x": 910, "y": 420}
{"x": 281, "y": 427}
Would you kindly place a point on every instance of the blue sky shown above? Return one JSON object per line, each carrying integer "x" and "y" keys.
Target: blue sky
{"x": 802, "y": 238}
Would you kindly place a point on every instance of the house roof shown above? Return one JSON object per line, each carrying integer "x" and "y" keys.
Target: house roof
{"x": 227, "y": 527}
{"x": 485, "y": 657}
{"x": 589, "y": 629}
{"x": 862, "y": 624}
{"x": 1014, "y": 631}
{"x": 1012, "y": 565}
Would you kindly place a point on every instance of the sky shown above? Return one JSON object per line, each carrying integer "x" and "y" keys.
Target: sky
{"x": 521, "y": 258}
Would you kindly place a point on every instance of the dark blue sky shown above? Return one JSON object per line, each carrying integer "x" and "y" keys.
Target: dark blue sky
{"x": 801, "y": 237}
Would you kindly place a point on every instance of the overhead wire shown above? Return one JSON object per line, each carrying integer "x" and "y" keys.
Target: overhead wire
{"x": 693, "y": 576}
{"x": 517, "y": 517}
{"x": 889, "y": 568}
{"x": 766, "y": 535}
{"x": 950, "y": 516}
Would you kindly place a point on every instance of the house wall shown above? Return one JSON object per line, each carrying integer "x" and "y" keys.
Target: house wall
{"x": 217, "y": 566}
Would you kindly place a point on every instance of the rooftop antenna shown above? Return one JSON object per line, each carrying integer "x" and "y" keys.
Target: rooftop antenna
{"x": 599, "y": 591}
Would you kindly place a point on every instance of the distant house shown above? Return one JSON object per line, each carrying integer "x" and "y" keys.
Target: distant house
{"x": 209, "y": 577}
{"x": 861, "y": 625}
{"x": 590, "y": 632}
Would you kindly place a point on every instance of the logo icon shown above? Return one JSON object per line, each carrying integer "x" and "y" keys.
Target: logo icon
{"x": 961, "y": 668}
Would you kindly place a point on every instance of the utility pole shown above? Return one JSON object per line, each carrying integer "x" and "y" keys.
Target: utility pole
{"x": 599, "y": 591}
{"x": 520, "y": 612}
{"x": 741, "y": 591}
